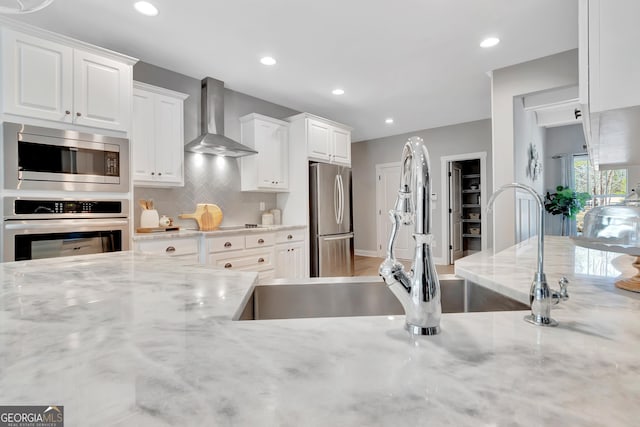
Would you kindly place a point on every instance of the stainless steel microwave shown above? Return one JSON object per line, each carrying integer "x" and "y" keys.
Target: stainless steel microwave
{"x": 38, "y": 158}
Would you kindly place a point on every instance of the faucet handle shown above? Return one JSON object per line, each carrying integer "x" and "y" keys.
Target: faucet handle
{"x": 563, "y": 282}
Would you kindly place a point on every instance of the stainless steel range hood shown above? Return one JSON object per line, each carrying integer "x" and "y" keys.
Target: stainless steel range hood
{"x": 212, "y": 140}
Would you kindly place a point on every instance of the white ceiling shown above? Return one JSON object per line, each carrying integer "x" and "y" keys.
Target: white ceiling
{"x": 417, "y": 61}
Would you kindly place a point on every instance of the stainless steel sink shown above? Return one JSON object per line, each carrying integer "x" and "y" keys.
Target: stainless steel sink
{"x": 373, "y": 298}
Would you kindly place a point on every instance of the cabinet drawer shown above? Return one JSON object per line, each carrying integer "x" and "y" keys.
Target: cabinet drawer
{"x": 286, "y": 236}
{"x": 251, "y": 260}
{"x": 170, "y": 247}
{"x": 259, "y": 240}
{"x": 225, "y": 243}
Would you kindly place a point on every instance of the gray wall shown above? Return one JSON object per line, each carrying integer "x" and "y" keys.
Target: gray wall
{"x": 526, "y": 133}
{"x": 208, "y": 179}
{"x": 444, "y": 141}
{"x": 555, "y": 71}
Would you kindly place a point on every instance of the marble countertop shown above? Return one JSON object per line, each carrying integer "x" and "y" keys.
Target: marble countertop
{"x": 128, "y": 339}
{"x": 222, "y": 231}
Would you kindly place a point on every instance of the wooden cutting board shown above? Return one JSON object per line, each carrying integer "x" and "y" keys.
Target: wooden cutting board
{"x": 207, "y": 215}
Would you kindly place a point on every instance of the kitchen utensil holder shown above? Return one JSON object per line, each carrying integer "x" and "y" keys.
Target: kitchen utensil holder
{"x": 149, "y": 218}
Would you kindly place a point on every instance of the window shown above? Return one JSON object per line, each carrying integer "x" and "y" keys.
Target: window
{"x": 605, "y": 186}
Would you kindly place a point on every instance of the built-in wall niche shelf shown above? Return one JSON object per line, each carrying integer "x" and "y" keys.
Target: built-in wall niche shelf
{"x": 473, "y": 236}
{"x": 476, "y": 190}
{"x": 472, "y": 220}
{"x": 471, "y": 175}
{"x": 471, "y": 205}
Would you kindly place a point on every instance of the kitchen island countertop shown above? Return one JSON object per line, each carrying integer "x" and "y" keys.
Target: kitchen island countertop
{"x": 129, "y": 339}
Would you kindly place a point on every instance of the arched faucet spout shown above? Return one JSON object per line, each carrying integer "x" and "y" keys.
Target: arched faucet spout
{"x": 540, "y": 296}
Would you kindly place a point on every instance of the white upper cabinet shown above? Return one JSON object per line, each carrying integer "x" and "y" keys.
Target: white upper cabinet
{"x": 609, "y": 85}
{"x": 269, "y": 169}
{"x": 157, "y": 136}
{"x": 52, "y": 80}
{"x": 613, "y": 61}
{"x": 102, "y": 91}
{"x": 328, "y": 142}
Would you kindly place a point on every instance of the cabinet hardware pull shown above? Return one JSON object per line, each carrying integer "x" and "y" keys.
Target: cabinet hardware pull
{"x": 153, "y": 173}
{"x": 170, "y": 249}
{"x": 78, "y": 114}
{"x": 159, "y": 173}
{"x": 67, "y": 112}
{"x": 227, "y": 244}
{"x": 260, "y": 241}
{"x": 228, "y": 265}
{"x": 289, "y": 237}
{"x": 260, "y": 259}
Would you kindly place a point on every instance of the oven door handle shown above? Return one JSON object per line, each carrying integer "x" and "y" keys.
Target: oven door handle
{"x": 67, "y": 224}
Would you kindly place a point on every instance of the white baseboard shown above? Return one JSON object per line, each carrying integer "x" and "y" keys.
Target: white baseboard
{"x": 362, "y": 252}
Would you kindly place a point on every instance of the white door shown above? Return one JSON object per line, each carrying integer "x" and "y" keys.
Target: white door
{"x": 168, "y": 134}
{"x": 101, "y": 91}
{"x": 142, "y": 136}
{"x": 318, "y": 140}
{"x": 455, "y": 212}
{"x": 388, "y": 183}
{"x": 341, "y": 146}
{"x": 38, "y": 77}
{"x": 290, "y": 261}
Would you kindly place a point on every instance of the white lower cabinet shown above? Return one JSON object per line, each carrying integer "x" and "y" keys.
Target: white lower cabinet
{"x": 251, "y": 252}
{"x": 291, "y": 254}
{"x": 179, "y": 247}
{"x": 271, "y": 254}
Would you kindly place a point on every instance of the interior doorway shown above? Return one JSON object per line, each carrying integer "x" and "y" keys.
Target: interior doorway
{"x": 465, "y": 189}
{"x": 387, "y": 185}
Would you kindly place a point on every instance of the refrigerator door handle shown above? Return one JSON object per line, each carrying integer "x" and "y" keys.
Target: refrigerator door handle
{"x": 341, "y": 199}
{"x": 340, "y": 237}
{"x": 336, "y": 198}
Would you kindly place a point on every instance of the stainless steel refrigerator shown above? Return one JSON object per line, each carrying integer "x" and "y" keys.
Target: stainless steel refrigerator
{"x": 331, "y": 224}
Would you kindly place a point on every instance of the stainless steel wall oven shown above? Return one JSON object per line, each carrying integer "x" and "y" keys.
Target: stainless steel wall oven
{"x": 38, "y": 228}
{"x": 37, "y": 158}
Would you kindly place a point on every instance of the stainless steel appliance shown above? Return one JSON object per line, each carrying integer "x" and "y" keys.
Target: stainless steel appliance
{"x": 331, "y": 224}
{"x": 38, "y": 228}
{"x": 38, "y": 158}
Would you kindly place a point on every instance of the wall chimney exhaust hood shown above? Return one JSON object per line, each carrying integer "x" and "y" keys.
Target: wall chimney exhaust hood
{"x": 212, "y": 140}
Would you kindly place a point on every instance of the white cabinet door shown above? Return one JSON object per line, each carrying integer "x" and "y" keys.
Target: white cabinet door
{"x": 101, "y": 91}
{"x": 319, "y": 141}
{"x": 269, "y": 148}
{"x": 269, "y": 169}
{"x": 157, "y": 136}
{"x": 290, "y": 260}
{"x": 341, "y": 146}
{"x": 37, "y": 77}
{"x": 614, "y": 64}
{"x": 169, "y": 139}
{"x": 142, "y": 135}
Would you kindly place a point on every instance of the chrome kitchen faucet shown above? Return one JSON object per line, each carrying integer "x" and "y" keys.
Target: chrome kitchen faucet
{"x": 541, "y": 297}
{"x": 419, "y": 289}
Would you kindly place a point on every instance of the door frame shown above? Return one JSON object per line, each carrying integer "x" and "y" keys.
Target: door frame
{"x": 381, "y": 247}
{"x": 444, "y": 170}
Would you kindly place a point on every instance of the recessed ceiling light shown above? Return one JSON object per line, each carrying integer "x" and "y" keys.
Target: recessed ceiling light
{"x": 490, "y": 42}
{"x": 146, "y": 8}
{"x": 338, "y": 91}
{"x": 388, "y": 121}
{"x": 267, "y": 60}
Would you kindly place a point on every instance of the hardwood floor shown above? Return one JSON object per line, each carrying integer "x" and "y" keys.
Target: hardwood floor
{"x": 368, "y": 266}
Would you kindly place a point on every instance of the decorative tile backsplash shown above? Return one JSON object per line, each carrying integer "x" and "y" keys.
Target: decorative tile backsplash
{"x": 208, "y": 179}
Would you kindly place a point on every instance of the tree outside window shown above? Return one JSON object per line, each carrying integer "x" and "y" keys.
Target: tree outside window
{"x": 606, "y": 186}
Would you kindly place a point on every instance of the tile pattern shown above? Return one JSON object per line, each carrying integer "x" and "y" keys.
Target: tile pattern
{"x": 208, "y": 179}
